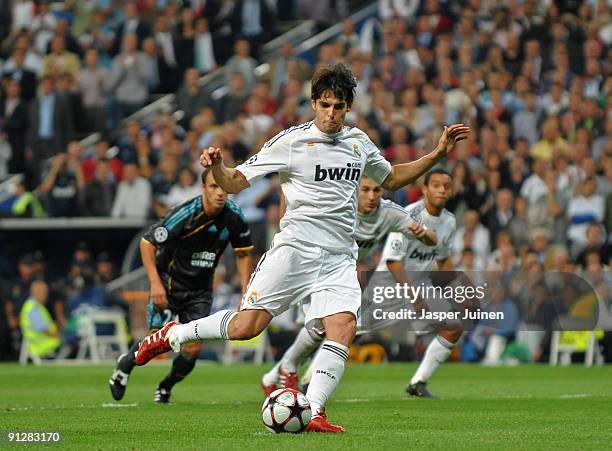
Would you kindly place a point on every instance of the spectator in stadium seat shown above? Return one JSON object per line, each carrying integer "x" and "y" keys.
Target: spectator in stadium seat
{"x": 21, "y": 42}
{"x": 231, "y": 105}
{"x": 105, "y": 271}
{"x": 98, "y": 193}
{"x": 154, "y": 63}
{"x": 519, "y": 225}
{"x": 241, "y": 63}
{"x": 133, "y": 199}
{"x": 67, "y": 91}
{"x": 185, "y": 188}
{"x": 278, "y": 74}
{"x": 14, "y": 124}
{"x": 473, "y": 234}
{"x": 26, "y": 78}
{"x": 191, "y": 97}
{"x": 63, "y": 182}
{"x": 94, "y": 85}
{"x": 253, "y": 20}
{"x": 185, "y": 32}
{"x": 51, "y": 125}
{"x": 102, "y": 154}
{"x": 169, "y": 71}
{"x": 60, "y": 61}
{"x": 500, "y": 216}
{"x": 130, "y": 76}
{"x": 583, "y": 209}
{"x": 595, "y": 242}
{"x": 232, "y": 134}
{"x": 551, "y": 139}
{"x": 204, "y": 57}
{"x": 132, "y": 24}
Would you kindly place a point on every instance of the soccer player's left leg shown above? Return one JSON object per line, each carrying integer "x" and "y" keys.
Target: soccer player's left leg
{"x": 437, "y": 352}
{"x": 285, "y": 372}
{"x": 328, "y": 368}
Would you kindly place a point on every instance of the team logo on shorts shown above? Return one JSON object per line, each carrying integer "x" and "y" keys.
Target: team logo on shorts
{"x": 396, "y": 245}
{"x": 252, "y": 298}
{"x": 160, "y": 234}
{"x": 356, "y": 150}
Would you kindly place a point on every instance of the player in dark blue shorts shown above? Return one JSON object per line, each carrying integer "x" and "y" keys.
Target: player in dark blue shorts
{"x": 180, "y": 254}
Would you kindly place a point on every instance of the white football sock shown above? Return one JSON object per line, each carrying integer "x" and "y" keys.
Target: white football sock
{"x": 327, "y": 368}
{"x": 213, "y": 326}
{"x": 437, "y": 352}
{"x": 272, "y": 376}
{"x": 303, "y": 346}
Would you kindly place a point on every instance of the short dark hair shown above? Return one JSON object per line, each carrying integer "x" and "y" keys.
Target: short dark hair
{"x": 338, "y": 79}
{"x": 435, "y": 171}
{"x": 204, "y": 175}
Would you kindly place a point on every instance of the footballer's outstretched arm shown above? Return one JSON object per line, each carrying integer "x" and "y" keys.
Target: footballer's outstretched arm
{"x": 403, "y": 174}
{"x": 229, "y": 179}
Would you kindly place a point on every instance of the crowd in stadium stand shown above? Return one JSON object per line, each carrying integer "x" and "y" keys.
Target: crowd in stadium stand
{"x": 532, "y": 184}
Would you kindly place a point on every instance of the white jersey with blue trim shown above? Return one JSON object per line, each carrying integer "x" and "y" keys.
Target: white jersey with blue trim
{"x": 373, "y": 228}
{"x": 416, "y": 255}
{"x": 319, "y": 175}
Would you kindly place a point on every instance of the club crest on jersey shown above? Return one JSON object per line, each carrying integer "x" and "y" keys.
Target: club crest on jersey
{"x": 252, "y": 298}
{"x": 356, "y": 150}
{"x": 352, "y": 171}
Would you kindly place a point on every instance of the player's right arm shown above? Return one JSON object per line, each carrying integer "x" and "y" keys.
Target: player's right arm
{"x": 158, "y": 292}
{"x": 230, "y": 179}
{"x": 273, "y": 157}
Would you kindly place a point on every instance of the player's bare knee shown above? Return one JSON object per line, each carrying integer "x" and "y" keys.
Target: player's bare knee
{"x": 248, "y": 324}
{"x": 452, "y": 335}
{"x": 341, "y": 327}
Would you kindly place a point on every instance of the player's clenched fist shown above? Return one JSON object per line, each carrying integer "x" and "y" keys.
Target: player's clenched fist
{"x": 210, "y": 157}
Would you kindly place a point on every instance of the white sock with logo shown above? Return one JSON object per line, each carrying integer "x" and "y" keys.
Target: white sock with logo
{"x": 327, "y": 370}
{"x": 213, "y": 326}
{"x": 437, "y": 352}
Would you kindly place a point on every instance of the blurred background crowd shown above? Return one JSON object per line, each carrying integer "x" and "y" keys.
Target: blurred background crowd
{"x": 532, "y": 186}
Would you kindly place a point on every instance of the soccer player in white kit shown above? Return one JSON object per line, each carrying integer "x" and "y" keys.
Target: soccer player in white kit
{"x": 312, "y": 258}
{"x": 401, "y": 255}
{"x": 376, "y": 218}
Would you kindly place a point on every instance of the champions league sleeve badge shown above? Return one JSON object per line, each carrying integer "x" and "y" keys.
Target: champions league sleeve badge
{"x": 160, "y": 234}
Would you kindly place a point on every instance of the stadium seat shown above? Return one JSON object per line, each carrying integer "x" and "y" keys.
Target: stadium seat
{"x": 564, "y": 343}
{"x": 99, "y": 347}
{"x": 258, "y": 347}
{"x": 25, "y": 354}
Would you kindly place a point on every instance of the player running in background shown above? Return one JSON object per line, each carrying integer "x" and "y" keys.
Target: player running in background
{"x": 401, "y": 256}
{"x": 376, "y": 218}
{"x": 180, "y": 254}
{"x": 313, "y": 257}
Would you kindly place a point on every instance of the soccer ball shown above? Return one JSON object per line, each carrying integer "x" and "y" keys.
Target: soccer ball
{"x": 286, "y": 410}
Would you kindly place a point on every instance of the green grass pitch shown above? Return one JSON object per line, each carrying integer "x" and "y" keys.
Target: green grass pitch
{"x": 218, "y": 407}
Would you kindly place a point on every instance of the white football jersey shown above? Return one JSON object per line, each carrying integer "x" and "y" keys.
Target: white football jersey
{"x": 319, "y": 176}
{"x": 373, "y": 228}
{"x": 416, "y": 255}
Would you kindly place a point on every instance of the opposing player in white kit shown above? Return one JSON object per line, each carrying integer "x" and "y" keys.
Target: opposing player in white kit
{"x": 401, "y": 255}
{"x": 312, "y": 258}
{"x": 376, "y": 218}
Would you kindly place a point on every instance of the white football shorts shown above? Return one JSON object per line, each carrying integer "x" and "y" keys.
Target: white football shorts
{"x": 288, "y": 273}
